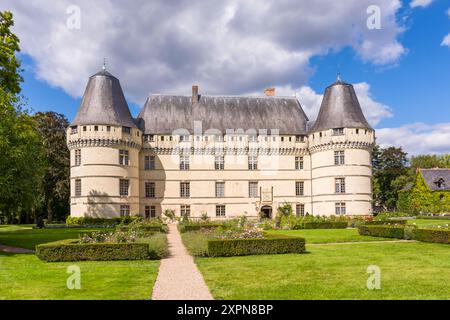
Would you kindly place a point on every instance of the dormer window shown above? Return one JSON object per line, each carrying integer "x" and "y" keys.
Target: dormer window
{"x": 126, "y": 130}
{"x": 440, "y": 183}
{"x": 338, "y": 131}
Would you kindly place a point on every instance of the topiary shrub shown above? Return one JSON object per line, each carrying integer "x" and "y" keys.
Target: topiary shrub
{"x": 72, "y": 250}
{"x": 269, "y": 245}
{"x": 432, "y": 235}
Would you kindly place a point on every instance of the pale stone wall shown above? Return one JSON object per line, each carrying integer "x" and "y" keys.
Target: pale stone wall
{"x": 100, "y": 172}
{"x": 357, "y": 171}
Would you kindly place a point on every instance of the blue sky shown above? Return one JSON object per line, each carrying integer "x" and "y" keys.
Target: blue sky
{"x": 413, "y": 85}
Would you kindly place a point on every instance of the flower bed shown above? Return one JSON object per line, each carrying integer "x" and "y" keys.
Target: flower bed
{"x": 73, "y": 250}
{"x": 252, "y": 246}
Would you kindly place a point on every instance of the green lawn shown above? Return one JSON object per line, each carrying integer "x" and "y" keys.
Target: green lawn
{"x": 408, "y": 271}
{"x": 428, "y": 222}
{"x": 26, "y": 277}
{"x": 28, "y": 238}
{"x": 328, "y": 235}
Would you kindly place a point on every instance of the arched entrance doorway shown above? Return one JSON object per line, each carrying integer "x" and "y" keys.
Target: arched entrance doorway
{"x": 266, "y": 212}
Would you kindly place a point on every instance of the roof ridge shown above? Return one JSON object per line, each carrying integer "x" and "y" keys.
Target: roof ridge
{"x": 224, "y": 96}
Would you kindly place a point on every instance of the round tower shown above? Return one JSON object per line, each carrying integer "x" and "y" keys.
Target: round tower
{"x": 340, "y": 144}
{"x": 104, "y": 144}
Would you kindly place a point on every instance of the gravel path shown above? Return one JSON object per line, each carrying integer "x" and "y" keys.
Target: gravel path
{"x": 178, "y": 276}
{"x": 9, "y": 249}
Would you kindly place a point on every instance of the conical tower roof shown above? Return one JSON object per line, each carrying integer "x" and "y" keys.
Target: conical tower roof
{"x": 104, "y": 103}
{"x": 340, "y": 109}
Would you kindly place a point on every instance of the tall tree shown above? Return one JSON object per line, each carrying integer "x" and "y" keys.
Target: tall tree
{"x": 20, "y": 144}
{"x": 10, "y": 77}
{"x": 388, "y": 165}
{"x": 55, "y": 185}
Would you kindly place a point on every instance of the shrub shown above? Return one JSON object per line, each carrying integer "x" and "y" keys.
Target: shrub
{"x": 72, "y": 250}
{"x": 386, "y": 231}
{"x": 268, "y": 245}
{"x": 196, "y": 243}
{"x": 323, "y": 225}
{"x": 196, "y": 226}
{"x": 432, "y": 235}
{"x": 446, "y": 217}
{"x": 388, "y": 222}
{"x": 158, "y": 247}
{"x": 99, "y": 222}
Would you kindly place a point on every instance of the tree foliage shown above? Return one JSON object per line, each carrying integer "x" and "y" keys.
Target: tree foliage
{"x": 388, "y": 166}
{"x": 21, "y": 164}
{"x": 55, "y": 185}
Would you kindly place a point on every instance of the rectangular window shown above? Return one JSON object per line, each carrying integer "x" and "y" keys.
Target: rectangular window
{"x": 185, "y": 190}
{"x": 300, "y": 209}
{"x": 220, "y": 189}
{"x": 149, "y": 163}
{"x": 339, "y": 157}
{"x": 73, "y": 130}
{"x": 184, "y": 162}
{"x": 340, "y": 208}
{"x": 184, "y": 138}
{"x": 298, "y": 163}
{"x": 108, "y": 128}
{"x": 253, "y": 189}
{"x": 220, "y": 211}
{"x": 124, "y": 210}
{"x": 299, "y": 188}
{"x": 84, "y": 128}
{"x": 299, "y": 138}
{"x": 78, "y": 188}
{"x": 338, "y": 132}
{"x": 185, "y": 210}
{"x": 78, "y": 157}
{"x": 149, "y": 189}
{"x": 219, "y": 162}
{"x": 124, "y": 185}
{"x": 219, "y": 138}
{"x": 252, "y": 138}
{"x": 124, "y": 157}
{"x": 126, "y": 130}
{"x": 340, "y": 185}
{"x": 252, "y": 163}
{"x": 150, "y": 212}
{"x": 95, "y": 128}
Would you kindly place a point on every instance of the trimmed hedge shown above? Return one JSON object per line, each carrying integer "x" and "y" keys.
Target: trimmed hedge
{"x": 385, "y": 231}
{"x": 387, "y": 222}
{"x": 434, "y": 217}
{"x": 323, "y": 225}
{"x": 88, "y": 221}
{"x": 71, "y": 250}
{"x": 148, "y": 228}
{"x": 242, "y": 247}
{"x": 198, "y": 226}
{"x": 432, "y": 235}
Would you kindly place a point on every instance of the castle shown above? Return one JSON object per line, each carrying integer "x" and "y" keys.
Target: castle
{"x": 223, "y": 156}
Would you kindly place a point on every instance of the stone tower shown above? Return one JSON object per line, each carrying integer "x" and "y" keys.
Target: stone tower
{"x": 340, "y": 144}
{"x": 104, "y": 144}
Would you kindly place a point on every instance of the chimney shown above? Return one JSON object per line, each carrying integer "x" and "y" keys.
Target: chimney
{"x": 194, "y": 93}
{"x": 270, "y": 92}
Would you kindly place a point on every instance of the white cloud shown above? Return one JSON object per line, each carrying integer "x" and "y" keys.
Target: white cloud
{"x": 420, "y": 3}
{"x": 310, "y": 100}
{"x": 446, "y": 41}
{"x": 227, "y": 47}
{"x": 417, "y": 138}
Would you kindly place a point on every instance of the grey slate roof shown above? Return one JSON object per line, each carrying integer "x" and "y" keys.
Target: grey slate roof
{"x": 162, "y": 114}
{"x": 104, "y": 103}
{"x": 432, "y": 176}
{"x": 340, "y": 109}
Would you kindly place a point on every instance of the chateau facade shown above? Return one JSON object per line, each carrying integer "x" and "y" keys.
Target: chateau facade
{"x": 218, "y": 155}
